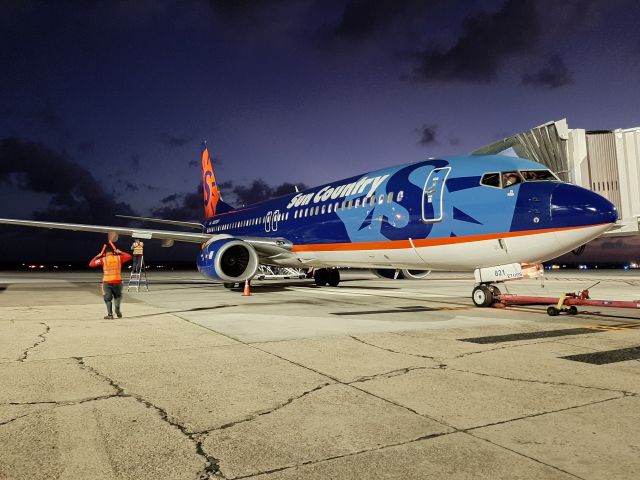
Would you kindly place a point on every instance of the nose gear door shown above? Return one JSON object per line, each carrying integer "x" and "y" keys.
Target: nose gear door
{"x": 432, "y": 194}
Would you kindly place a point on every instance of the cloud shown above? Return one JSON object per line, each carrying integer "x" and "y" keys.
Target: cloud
{"x": 428, "y": 134}
{"x": 75, "y": 194}
{"x": 172, "y": 141}
{"x": 363, "y": 19}
{"x": 486, "y": 42}
{"x": 182, "y": 206}
{"x": 189, "y": 206}
{"x": 129, "y": 186}
{"x": 553, "y": 74}
{"x": 259, "y": 191}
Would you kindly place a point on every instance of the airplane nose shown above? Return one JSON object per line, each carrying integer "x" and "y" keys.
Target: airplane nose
{"x": 573, "y": 206}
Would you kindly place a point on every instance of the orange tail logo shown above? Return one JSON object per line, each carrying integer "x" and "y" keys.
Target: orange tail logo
{"x": 211, "y": 193}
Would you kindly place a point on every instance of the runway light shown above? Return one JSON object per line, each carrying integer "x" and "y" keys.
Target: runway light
{"x": 626, "y": 267}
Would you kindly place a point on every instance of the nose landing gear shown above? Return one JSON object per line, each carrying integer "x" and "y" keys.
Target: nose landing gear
{"x": 484, "y": 295}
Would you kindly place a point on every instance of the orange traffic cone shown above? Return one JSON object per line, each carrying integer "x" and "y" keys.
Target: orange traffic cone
{"x": 247, "y": 289}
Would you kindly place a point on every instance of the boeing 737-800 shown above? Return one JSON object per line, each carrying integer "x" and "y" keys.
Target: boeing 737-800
{"x": 464, "y": 213}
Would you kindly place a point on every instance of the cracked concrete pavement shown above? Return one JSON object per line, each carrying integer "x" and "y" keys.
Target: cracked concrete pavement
{"x": 373, "y": 379}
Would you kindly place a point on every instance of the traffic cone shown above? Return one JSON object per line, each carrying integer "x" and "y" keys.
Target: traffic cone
{"x": 247, "y": 289}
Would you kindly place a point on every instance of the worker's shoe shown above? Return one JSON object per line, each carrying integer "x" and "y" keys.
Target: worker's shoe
{"x": 119, "y": 314}
{"x": 108, "y": 317}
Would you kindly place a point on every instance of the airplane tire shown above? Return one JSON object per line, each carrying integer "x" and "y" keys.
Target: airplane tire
{"x": 482, "y": 296}
{"x": 334, "y": 277}
{"x": 229, "y": 285}
{"x": 573, "y": 310}
{"x": 552, "y": 311}
{"x": 321, "y": 277}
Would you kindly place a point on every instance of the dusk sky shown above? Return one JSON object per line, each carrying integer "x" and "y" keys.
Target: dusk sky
{"x": 105, "y": 104}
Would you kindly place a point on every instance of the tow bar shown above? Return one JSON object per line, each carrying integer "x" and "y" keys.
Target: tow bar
{"x": 566, "y": 303}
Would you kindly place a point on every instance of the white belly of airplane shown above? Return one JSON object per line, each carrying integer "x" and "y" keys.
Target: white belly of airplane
{"x": 463, "y": 254}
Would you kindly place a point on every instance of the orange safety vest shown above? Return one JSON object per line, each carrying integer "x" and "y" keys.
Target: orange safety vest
{"x": 111, "y": 267}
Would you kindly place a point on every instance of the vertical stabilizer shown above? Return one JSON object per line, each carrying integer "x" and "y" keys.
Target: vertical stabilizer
{"x": 209, "y": 184}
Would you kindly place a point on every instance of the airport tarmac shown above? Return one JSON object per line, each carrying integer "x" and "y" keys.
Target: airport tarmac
{"x": 374, "y": 379}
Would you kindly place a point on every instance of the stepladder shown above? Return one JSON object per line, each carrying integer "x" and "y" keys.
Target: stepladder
{"x": 138, "y": 276}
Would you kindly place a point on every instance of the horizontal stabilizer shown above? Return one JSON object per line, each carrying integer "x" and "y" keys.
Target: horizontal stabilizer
{"x": 177, "y": 223}
{"x": 224, "y": 207}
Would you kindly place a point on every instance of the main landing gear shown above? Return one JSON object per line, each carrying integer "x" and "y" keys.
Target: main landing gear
{"x": 324, "y": 276}
{"x": 484, "y": 295}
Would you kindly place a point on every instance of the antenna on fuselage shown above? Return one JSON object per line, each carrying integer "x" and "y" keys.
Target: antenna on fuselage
{"x": 296, "y": 187}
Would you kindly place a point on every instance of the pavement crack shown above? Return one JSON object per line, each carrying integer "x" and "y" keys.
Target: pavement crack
{"x": 393, "y": 351}
{"x": 42, "y": 339}
{"x": 539, "y": 414}
{"x": 269, "y": 411}
{"x": 211, "y": 468}
{"x": 527, "y": 456}
{"x": 543, "y": 382}
{"x": 391, "y": 374}
{"x": 502, "y": 347}
{"x": 345, "y": 455}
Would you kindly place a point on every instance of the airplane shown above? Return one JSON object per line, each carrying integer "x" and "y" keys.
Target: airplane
{"x": 494, "y": 215}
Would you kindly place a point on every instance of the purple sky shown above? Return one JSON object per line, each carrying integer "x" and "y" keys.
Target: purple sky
{"x": 105, "y": 103}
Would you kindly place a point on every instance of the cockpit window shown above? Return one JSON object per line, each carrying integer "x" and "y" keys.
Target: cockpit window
{"x": 491, "y": 180}
{"x": 538, "y": 176}
{"x": 510, "y": 178}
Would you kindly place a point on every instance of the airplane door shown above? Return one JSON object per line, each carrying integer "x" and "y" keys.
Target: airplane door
{"x": 271, "y": 221}
{"x": 432, "y": 194}
{"x": 267, "y": 222}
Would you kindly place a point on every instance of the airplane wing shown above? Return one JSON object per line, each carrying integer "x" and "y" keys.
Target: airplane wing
{"x": 267, "y": 247}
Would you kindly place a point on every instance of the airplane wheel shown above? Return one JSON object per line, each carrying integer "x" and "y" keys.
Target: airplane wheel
{"x": 552, "y": 311}
{"x": 573, "y": 310}
{"x": 229, "y": 285}
{"x": 334, "y": 277}
{"x": 482, "y": 296}
{"x": 321, "y": 276}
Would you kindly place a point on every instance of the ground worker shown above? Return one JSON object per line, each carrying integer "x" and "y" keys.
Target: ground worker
{"x": 137, "y": 250}
{"x": 111, "y": 260}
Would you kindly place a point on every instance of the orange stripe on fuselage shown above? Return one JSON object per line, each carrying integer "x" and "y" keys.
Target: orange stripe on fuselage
{"x": 424, "y": 242}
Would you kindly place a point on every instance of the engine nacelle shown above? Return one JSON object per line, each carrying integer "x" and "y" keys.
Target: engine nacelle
{"x": 393, "y": 274}
{"x": 228, "y": 260}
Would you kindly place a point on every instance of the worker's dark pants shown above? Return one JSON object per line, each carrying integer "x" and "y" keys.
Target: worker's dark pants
{"x": 112, "y": 291}
{"x": 137, "y": 263}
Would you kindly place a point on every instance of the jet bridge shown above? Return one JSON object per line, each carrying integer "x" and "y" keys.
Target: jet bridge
{"x": 604, "y": 161}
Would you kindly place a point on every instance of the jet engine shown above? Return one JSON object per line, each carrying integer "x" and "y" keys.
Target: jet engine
{"x": 393, "y": 274}
{"x": 228, "y": 260}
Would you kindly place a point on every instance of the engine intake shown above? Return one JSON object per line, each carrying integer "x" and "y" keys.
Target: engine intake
{"x": 228, "y": 260}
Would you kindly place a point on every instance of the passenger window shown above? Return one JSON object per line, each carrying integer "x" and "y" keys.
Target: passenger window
{"x": 491, "y": 180}
{"x": 390, "y": 197}
{"x": 306, "y": 212}
{"x": 323, "y": 210}
{"x": 357, "y": 203}
{"x": 349, "y": 205}
{"x": 317, "y": 210}
{"x": 510, "y": 178}
{"x": 381, "y": 199}
{"x": 329, "y": 208}
{"x": 336, "y": 206}
{"x": 400, "y": 196}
